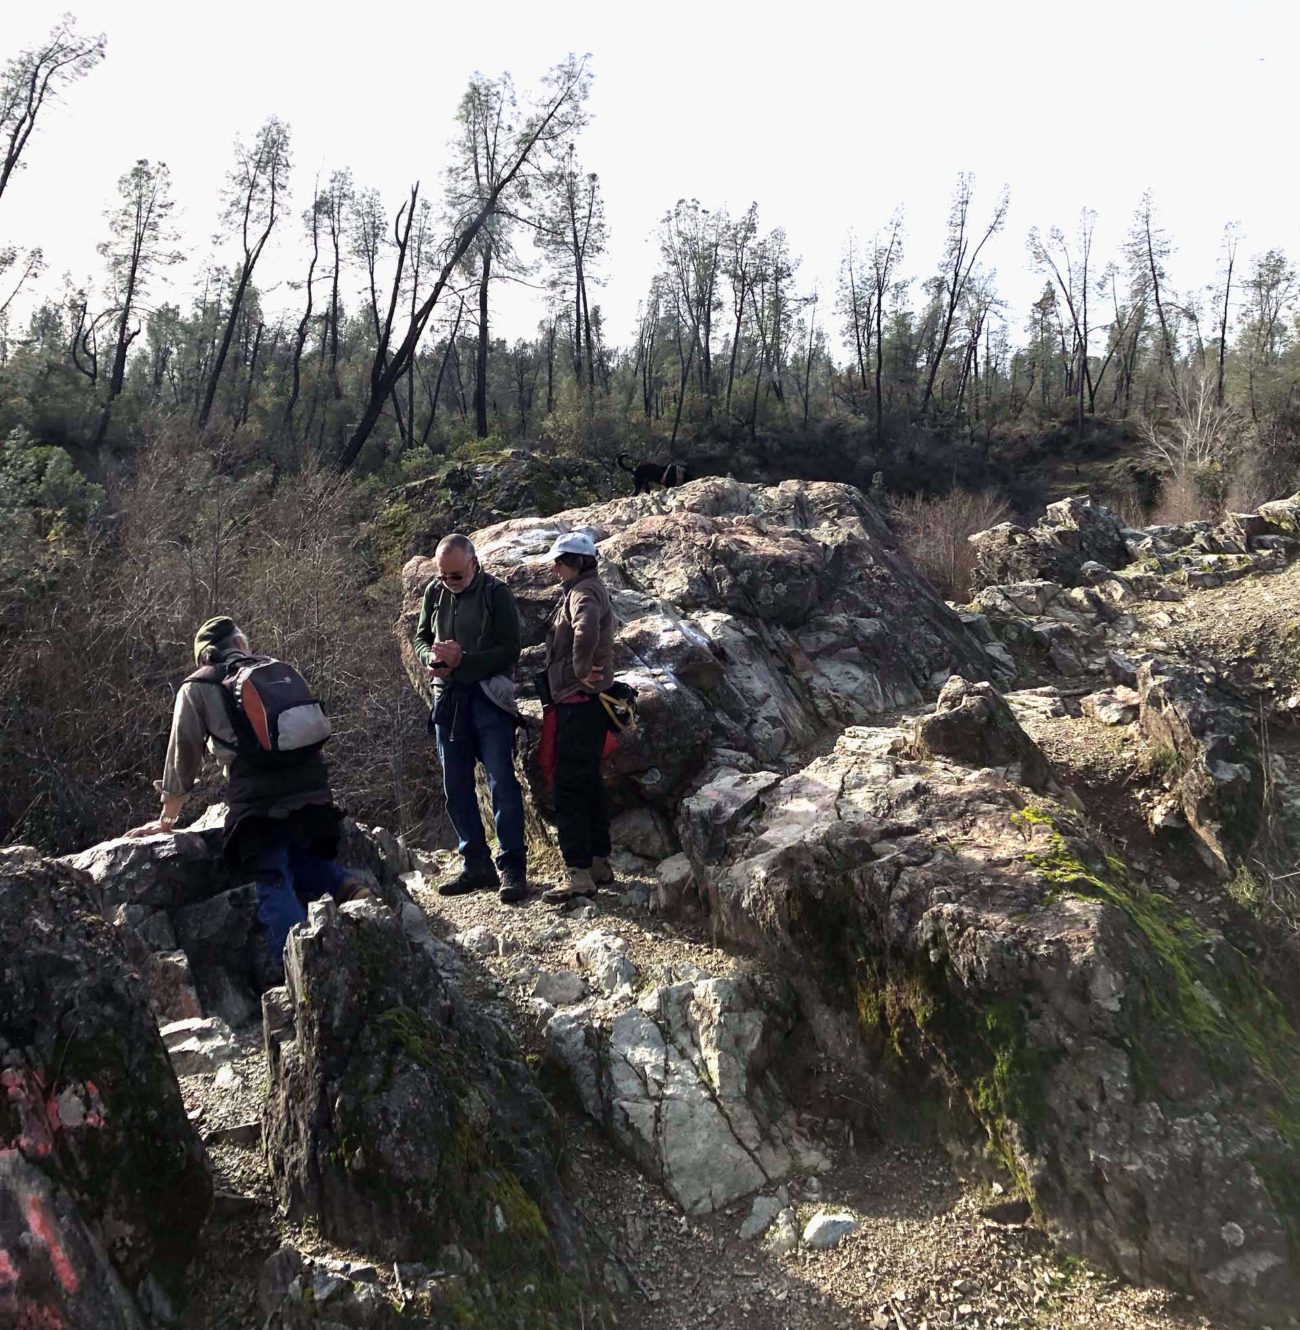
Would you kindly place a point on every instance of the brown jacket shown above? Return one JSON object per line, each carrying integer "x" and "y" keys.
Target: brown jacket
{"x": 580, "y": 638}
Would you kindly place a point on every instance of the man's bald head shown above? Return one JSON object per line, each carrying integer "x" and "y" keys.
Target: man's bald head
{"x": 456, "y": 560}
{"x": 455, "y": 543}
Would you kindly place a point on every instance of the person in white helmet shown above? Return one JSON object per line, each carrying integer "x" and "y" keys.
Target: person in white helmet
{"x": 579, "y": 666}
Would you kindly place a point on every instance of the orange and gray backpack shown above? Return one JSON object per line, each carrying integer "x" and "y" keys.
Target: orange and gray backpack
{"x": 272, "y": 711}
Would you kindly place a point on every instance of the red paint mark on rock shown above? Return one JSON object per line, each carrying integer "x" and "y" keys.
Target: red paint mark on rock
{"x": 8, "y": 1273}
{"x": 41, "y": 1223}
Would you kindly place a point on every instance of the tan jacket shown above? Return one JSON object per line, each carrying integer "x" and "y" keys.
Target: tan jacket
{"x": 580, "y": 638}
{"x": 200, "y": 725}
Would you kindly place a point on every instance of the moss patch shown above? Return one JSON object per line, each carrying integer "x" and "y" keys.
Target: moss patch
{"x": 471, "y": 1195}
{"x": 1193, "y": 988}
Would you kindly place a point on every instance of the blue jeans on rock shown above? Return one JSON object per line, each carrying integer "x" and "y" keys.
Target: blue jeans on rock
{"x": 490, "y": 739}
{"x": 288, "y": 873}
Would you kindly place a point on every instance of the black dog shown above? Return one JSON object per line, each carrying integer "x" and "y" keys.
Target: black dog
{"x": 646, "y": 474}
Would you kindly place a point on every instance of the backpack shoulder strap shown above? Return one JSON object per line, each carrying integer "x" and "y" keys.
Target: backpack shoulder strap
{"x": 217, "y": 675}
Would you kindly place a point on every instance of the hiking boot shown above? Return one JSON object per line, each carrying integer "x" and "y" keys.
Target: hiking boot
{"x": 601, "y": 873}
{"x": 514, "y": 883}
{"x": 577, "y": 885}
{"x": 354, "y": 887}
{"x": 473, "y": 877}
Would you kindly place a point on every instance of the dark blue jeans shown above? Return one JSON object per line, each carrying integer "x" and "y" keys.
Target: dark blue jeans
{"x": 287, "y": 870}
{"x": 490, "y": 739}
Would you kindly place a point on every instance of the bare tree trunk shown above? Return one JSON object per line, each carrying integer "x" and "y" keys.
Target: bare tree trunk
{"x": 1223, "y": 321}
{"x": 880, "y": 369}
{"x": 214, "y": 375}
{"x": 681, "y": 396}
{"x": 735, "y": 347}
{"x": 1165, "y": 340}
{"x": 481, "y": 360}
{"x": 807, "y": 363}
{"x": 586, "y": 332}
{"x": 860, "y": 351}
{"x": 300, "y": 340}
{"x": 442, "y": 368}
{"x": 550, "y": 368}
{"x": 252, "y": 371}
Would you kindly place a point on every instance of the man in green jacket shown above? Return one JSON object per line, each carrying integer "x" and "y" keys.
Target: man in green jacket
{"x": 468, "y": 640}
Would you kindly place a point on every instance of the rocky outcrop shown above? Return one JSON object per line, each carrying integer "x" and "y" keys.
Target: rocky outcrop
{"x": 681, "y": 1081}
{"x": 467, "y": 495}
{"x": 103, "y": 1186}
{"x": 1072, "y": 533}
{"x": 399, "y": 1118}
{"x": 1281, "y": 517}
{"x": 1203, "y": 747}
{"x": 1129, "y": 1070}
{"x": 753, "y": 619}
{"x": 972, "y": 724}
{"x": 190, "y": 923}
{"x": 1063, "y": 592}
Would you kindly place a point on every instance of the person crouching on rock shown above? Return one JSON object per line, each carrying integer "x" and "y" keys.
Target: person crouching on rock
{"x": 282, "y": 827}
{"x": 579, "y": 665}
{"x": 468, "y": 638}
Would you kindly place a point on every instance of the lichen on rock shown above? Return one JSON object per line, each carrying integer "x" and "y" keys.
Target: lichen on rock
{"x": 400, "y": 1118}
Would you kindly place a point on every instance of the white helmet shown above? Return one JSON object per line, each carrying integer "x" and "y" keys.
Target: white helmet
{"x": 572, "y": 542}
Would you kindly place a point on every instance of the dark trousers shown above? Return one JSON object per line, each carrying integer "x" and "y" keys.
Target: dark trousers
{"x": 488, "y": 737}
{"x": 290, "y": 871}
{"x": 581, "y": 810}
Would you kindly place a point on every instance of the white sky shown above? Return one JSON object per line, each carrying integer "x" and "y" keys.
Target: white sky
{"x": 829, "y": 115}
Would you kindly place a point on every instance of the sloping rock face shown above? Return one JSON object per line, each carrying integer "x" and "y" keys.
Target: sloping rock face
{"x": 753, "y": 619}
{"x": 681, "y": 1082}
{"x": 399, "y": 1117}
{"x": 103, "y": 1186}
{"x": 1206, "y": 748}
{"x": 1129, "y": 1069}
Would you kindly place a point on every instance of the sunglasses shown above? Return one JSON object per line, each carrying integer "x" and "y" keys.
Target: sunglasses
{"x": 462, "y": 576}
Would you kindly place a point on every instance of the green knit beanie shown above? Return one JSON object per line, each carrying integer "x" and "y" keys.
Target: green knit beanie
{"x": 215, "y": 633}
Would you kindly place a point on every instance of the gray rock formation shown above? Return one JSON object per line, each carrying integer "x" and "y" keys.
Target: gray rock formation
{"x": 1204, "y": 746}
{"x": 192, "y": 929}
{"x": 1071, "y": 534}
{"x": 103, "y": 1186}
{"x": 681, "y": 1082}
{"x": 972, "y": 724}
{"x": 399, "y": 1118}
{"x": 1132, "y": 1073}
{"x": 1063, "y": 591}
{"x": 753, "y": 619}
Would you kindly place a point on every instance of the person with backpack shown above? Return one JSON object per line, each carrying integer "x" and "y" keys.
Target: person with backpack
{"x": 468, "y": 638}
{"x": 579, "y": 667}
{"x": 256, "y": 715}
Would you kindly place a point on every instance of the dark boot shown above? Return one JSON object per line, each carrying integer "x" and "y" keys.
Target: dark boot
{"x": 514, "y": 880}
{"x": 472, "y": 877}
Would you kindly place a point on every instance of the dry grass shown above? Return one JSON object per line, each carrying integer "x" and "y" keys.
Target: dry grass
{"x": 935, "y": 533}
{"x": 92, "y": 662}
